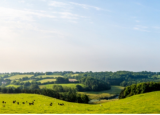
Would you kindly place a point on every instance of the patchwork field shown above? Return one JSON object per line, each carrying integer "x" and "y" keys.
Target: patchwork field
{"x": 72, "y": 85}
{"x": 101, "y": 94}
{"x": 46, "y": 80}
{"x": 74, "y": 74}
{"x": 143, "y": 103}
{"x": 44, "y": 76}
{"x": 13, "y": 86}
{"x": 18, "y": 76}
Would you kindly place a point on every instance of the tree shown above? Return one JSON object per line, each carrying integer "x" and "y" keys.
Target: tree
{"x": 34, "y": 86}
{"x": 79, "y": 88}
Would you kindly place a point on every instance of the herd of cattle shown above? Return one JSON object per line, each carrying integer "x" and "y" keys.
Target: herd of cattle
{"x": 30, "y": 103}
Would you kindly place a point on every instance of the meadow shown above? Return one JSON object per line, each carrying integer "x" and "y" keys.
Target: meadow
{"x": 115, "y": 90}
{"x": 18, "y": 76}
{"x": 11, "y": 85}
{"x": 72, "y": 85}
{"x": 44, "y": 76}
{"x": 143, "y": 103}
{"x": 46, "y": 80}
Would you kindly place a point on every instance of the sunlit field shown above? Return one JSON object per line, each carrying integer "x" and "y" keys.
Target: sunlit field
{"x": 143, "y": 103}
{"x": 46, "y": 80}
{"x": 44, "y": 76}
{"x": 72, "y": 85}
{"x": 18, "y": 76}
{"x": 102, "y": 94}
{"x": 11, "y": 85}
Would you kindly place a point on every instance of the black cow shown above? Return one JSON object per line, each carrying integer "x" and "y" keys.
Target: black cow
{"x": 14, "y": 101}
{"x": 61, "y": 104}
{"x": 31, "y": 103}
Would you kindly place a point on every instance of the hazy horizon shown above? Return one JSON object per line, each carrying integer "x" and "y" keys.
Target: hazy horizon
{"x": 79, "y": 35}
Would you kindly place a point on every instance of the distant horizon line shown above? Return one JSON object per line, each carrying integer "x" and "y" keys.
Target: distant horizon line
{"x": 76, "y": 71}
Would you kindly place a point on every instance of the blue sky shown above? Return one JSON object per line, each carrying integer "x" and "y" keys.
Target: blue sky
{"x": 79, "y": 35}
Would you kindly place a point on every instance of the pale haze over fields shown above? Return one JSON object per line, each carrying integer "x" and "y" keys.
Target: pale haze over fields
{"x": 79, "y": 35}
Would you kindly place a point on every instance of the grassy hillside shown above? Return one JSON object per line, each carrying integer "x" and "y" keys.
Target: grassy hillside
{"x": 44, "y": 76}
{"x": 11, "y": 85}
{"x": 46, "y": 80}
{"x": 18, "y": 76}
{"x": 143, "y": 103}
{"x": 72, "y": 85}
{"x": 101, "y": 94}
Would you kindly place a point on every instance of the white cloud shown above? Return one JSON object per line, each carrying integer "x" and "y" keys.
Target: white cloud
{"x": 156, "y": 27}
{"x": 25, "y": 15}
{"x": 141, "y": 28}
{"x": 86, "y": 6}
{"x": 137, "y": 21}
{"x": 57, "y": 4}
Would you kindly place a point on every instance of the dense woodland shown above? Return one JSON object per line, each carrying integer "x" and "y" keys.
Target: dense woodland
{"x": 93, "y": 84}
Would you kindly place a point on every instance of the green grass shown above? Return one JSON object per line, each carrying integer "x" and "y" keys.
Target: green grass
{"x": 101, "y": 94}
{"x": 18, "y": 76}
{"x": 74, "y": 75}
{"x": 72, "y": 85}
{"x": 138, "y": 104}
{"x": 27, "y": 81}
{"x": 44, "y": 76}
{"x": 46, "y": 80}
{"x": 11, "y": 85}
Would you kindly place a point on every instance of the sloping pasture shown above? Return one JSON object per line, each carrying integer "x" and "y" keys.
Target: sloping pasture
{"x": 72, "y": 85}
{"x": 102, "y": 94}
{"x": 46, "y": 80}
{"x": 44, "y": 76}
{"x": 18, "y": 76}
{"x": 143, "y": 103}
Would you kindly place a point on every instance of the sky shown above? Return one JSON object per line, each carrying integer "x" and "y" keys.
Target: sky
{"x": 79, "y": 35}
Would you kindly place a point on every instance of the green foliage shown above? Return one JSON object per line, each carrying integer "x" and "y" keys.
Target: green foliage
{"x": 93, "y": 84}
{"x": 139, "y": 88}
{"x": 70, "y": 95}
{"x": 61, "y": 80}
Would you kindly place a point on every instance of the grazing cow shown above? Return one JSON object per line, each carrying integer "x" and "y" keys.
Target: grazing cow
{"x": 14, "y": 101}
{"x": 2, "y": 101}
{"x": 50, "y": 104}
{"x": 31, "y": 103}
{"x": 61, "y": 104}
{"x": 23, "y": 102}
{"x": 18, "y": 103}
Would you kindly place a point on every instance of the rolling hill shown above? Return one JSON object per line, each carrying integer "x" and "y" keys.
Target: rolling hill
{"x": 142, "y": 103}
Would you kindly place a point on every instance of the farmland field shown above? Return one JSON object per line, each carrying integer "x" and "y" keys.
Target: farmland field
{"x": 11, "y": 85}
{"x": 142, "y": 103}
{"x": 101, "y": 94}
{"x": 18, "y": 76}
{"x": 44, "y": 76}
{"x": 74, "y": 74}
{"x": 46, "y": 80}
{"x": 72, "y": 85}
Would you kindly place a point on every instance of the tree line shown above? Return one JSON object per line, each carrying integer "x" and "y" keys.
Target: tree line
{"x": 70, "y": 96}
{"x": 139, "y": 88}
{"x": 92, "y": 84}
